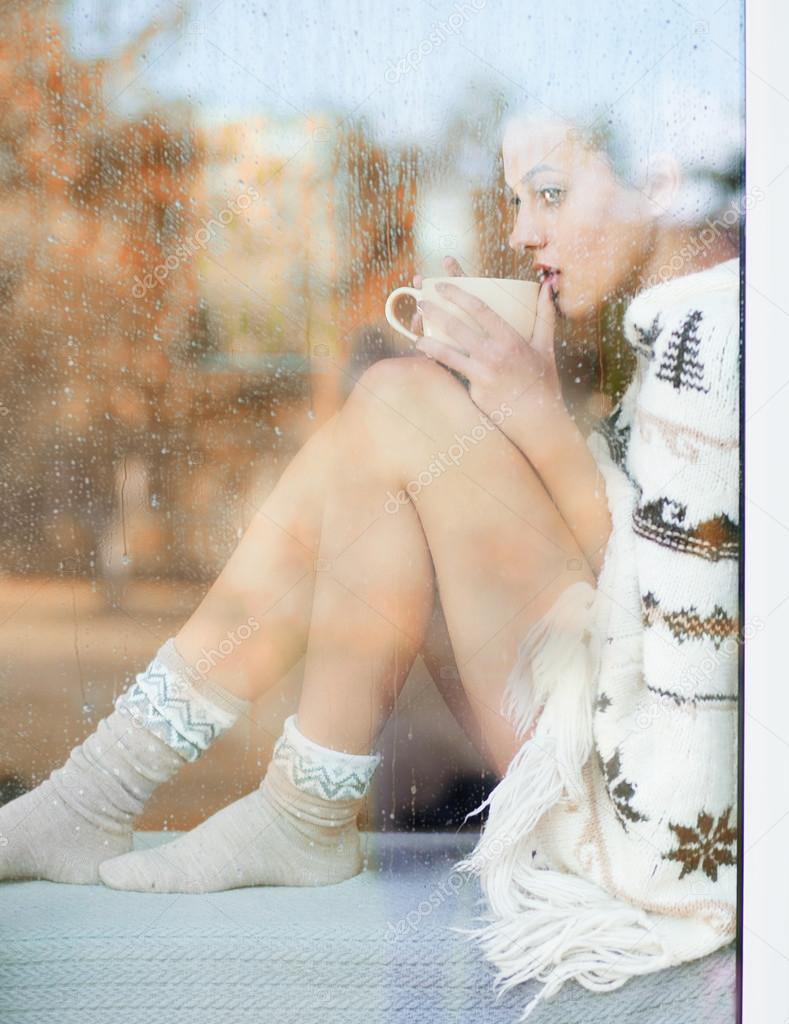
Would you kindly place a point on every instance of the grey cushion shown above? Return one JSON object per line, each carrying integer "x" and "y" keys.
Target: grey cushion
{"x": 374, "y": 949}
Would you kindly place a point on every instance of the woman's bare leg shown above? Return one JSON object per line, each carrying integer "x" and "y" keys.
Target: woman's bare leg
{"x": 441, "y": 663}
{"x": 268, "y": 579}
{"x": 516, "y": 554}
{"x": 500, "y": 549}
{"x": 483, "y": 528}
{"x": 482, "y": 524}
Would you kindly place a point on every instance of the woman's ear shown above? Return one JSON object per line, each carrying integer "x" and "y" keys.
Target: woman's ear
{"x": 663, "y": 181}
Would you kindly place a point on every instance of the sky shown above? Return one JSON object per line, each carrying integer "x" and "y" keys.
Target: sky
{"x": 408, "y": 67}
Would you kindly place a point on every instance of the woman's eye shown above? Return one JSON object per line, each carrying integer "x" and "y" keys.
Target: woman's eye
{"x": 515, "y": 200}
{"x": 551, "y": 194}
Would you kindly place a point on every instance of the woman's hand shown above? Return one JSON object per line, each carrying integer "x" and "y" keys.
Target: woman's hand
{"x": 453, "y": 269}
{"x": 504, "y": 370}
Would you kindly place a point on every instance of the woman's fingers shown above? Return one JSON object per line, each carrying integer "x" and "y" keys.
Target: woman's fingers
{"x": 544, "y": 325}
{"x": 489, "y": 321}
{"x": 447, "y": 354}
{"x": 464, "y": 337}
{"x": 452, "y": 267}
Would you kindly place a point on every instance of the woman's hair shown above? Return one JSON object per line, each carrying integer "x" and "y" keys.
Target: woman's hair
{"x": 702, "y": 133}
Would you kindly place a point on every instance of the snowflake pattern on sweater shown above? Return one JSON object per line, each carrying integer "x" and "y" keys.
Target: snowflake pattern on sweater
{"x": 707, "y": 846}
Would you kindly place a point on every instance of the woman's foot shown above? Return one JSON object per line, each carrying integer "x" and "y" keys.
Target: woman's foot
{"x": 297, "y": 828}
{"x": 42, "y": 837}
{"x": 276, "y": 835}
{"x": 83, "y": 813}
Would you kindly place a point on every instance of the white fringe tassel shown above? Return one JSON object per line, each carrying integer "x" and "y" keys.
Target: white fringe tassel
{"x": 551, "y": 925}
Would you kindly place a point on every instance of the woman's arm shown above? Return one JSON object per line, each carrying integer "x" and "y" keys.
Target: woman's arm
{"x": 558, "y": 451}
{"x": 517, "y": 379}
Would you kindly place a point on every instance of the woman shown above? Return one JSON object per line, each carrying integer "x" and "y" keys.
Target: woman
{"x": 588, "y": 566}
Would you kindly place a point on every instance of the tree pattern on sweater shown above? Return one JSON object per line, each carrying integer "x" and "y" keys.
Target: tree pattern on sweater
{"x": 681, "y": 365}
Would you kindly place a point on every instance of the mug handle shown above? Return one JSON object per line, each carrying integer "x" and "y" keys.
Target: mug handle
{"x": 390, "y": 315}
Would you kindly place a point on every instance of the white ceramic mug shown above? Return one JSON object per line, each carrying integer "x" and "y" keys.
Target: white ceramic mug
{"x": 514, "y": 301}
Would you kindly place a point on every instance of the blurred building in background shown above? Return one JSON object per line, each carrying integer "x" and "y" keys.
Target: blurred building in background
{"x": 177, "y": 303}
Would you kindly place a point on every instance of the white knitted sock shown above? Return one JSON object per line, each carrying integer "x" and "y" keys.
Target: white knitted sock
{"x": 297, "y": 828}
{"x": 83, "y": 813}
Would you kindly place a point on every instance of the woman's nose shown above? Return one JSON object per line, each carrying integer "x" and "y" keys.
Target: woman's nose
{"x": 526, "y": 235}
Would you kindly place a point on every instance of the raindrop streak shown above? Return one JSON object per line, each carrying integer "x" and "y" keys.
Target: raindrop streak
{"x": 396, "y": 723}
{"x": 85, "y": 702}
{"x": 125, "y": 558}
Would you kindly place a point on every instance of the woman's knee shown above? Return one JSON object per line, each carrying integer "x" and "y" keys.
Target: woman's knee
{"x": 414, "y": 387}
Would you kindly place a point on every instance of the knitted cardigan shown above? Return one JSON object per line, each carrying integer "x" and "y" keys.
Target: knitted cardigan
{"x": 611, "y": 841}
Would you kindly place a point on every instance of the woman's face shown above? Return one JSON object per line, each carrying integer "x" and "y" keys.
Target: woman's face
{"x": 586, "y": 232}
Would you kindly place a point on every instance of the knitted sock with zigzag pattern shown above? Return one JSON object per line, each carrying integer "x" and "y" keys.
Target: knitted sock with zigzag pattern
{"x": 83, "y": 813}
{"x": 297, "y": 828}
